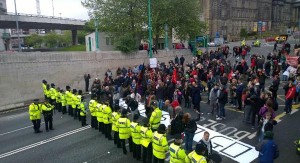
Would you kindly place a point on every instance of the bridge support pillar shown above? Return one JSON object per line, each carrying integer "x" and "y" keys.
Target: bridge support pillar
{"x": 74, "y": 37}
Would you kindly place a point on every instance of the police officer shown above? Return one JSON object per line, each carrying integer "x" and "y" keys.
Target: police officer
{"x": 135, "y": 129}
{"x": 115, "y": 117}
{"x": 78, "y": 102}
{"x": 48, "y": 95}
{"x": 53, "y": 95}
{"x": 47, "y": 110}
{"x": 155, "y": 116}
{"x": 197, "y": 155}
{"x": 99, "y": 115}
{"x": 58, "y": 99}
{"x": 177, "y": 153}
{"x": 74, "y": 103}
{"x": 107, "y": 120}
{"x": 146, "y": 141}
{"x": 35, "y": 115}
{"x": 160, "y": 144}
{"x": 44, "y": 85}
{"x": 68, "y": 96}
{"x": 123, "y": 126}
{"x": 63, "y": 102}
{"x": 83, "y": 111}
{"x": 92, "y": 108}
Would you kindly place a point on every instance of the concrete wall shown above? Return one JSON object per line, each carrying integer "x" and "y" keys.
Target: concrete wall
{"x": 21, "y": 74}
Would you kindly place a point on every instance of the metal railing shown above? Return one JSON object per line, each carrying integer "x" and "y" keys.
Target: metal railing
{"x": 44, "y": 16}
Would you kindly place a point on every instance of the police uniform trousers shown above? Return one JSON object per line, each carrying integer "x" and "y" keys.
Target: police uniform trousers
{"x": 36, "y": 125}
{"x": 147, "y": 153}
{"x": 83, "y": 120}
{"x": 78, "y": 114}
{"x": 157, "y": 160}
{"x": 123, "y": 144}
{"x": 101, "y": 127}
{"x": 64, "y": 109}
{"x": 117, "y": 139}
{"x": 94, "y": 122}
{"x": 69, "y": 109}
{"x": 58, "y": 106}
{"x": 136, "y": 151}
{"x": 72, "y": 111}
{"x": 107, "y": 131}
{"x": 48, "y": 117}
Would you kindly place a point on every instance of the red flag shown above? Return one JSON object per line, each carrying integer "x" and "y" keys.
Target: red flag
{"x": 174, "y": 76}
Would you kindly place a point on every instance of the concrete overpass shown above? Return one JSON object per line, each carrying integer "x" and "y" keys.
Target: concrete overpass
{"x": 26, "y": 21}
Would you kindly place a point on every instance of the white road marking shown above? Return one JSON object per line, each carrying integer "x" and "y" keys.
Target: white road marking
{"x": 9, "y": 132}
{"x": 43, "y": 142}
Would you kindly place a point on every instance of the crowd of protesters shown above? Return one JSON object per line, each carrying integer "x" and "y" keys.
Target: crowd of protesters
{"x": 180, "y": 83}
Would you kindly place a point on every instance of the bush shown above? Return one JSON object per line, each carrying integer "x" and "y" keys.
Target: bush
{"x": 126, "y": 43}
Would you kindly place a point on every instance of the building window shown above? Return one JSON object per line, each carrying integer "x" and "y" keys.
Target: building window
{"x": 109, "y": 40}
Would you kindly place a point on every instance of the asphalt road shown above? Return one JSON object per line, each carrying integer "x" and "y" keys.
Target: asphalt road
{"x": 69, "y": 142}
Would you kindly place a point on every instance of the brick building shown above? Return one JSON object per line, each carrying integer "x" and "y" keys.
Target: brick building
{"x": 228, "y": 17}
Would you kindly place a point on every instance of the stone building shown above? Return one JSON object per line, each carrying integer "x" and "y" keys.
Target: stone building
{"x": 227, "y": 17}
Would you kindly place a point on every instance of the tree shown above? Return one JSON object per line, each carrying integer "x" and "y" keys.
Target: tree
{"x": 51, "y": 39}
{"x": 120, "y": 17}
{"x": 34, "y": 40}
{"x": 243, "y": 33}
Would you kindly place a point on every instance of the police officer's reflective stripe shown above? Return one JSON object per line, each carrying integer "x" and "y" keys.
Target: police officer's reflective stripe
{"x": 133, "y": 126}
{"x": 175, "y": 151}
{"x": 158, "y": 139}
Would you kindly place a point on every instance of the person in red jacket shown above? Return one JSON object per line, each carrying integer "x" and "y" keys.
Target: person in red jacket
{"x": 289, "y": 96}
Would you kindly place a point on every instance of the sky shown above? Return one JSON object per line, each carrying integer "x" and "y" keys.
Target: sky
{"x": 63, "y": 8}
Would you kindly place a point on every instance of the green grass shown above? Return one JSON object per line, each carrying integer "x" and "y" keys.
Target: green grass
{"x": 74, "y": 48}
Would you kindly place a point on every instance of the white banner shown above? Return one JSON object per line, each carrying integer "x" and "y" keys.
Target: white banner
{"x": 153, "y": 62}
{"x": 224, "y": 145}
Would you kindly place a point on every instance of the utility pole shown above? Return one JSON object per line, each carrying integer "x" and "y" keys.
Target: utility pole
{"x": 150, "y": 29}
{"x": 52, "y": 8}
{"x": 97, "y": 36}
{"x": 38, "y": 7}
{"x": 166, "y": 37}
{"x": 17, "y": 24}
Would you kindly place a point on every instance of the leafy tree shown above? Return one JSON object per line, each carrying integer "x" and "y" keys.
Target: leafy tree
{"x": 120, "y": 17}
{"x": 125, "y": 43}
{"x": 51, "y": 39}
{"x": 243, "y": 33}
{"x": 34, "y": 40}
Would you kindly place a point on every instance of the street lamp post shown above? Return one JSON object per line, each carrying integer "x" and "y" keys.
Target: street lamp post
{"x": 97, "y": 36}
{"x": 166, "y": 37}
{"x": 17, "y": 24}
{"x": 150, "y": 29}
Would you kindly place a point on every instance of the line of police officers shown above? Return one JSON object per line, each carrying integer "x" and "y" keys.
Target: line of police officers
{"x": 146, "y": 138}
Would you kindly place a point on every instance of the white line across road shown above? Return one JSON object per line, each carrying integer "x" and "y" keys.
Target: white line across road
{"x": 9, "y": 132}
{"x": 43, "y": 142}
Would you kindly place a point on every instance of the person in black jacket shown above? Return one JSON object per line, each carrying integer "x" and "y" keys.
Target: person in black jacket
{"x": 207, "y": 143}
{"x": 190, "y": 126}
{"x": 274, "y": 87}
{"x": 196, "y": 97}
{"x": 177, "y": 126}
{"x": 222, "y": 101}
